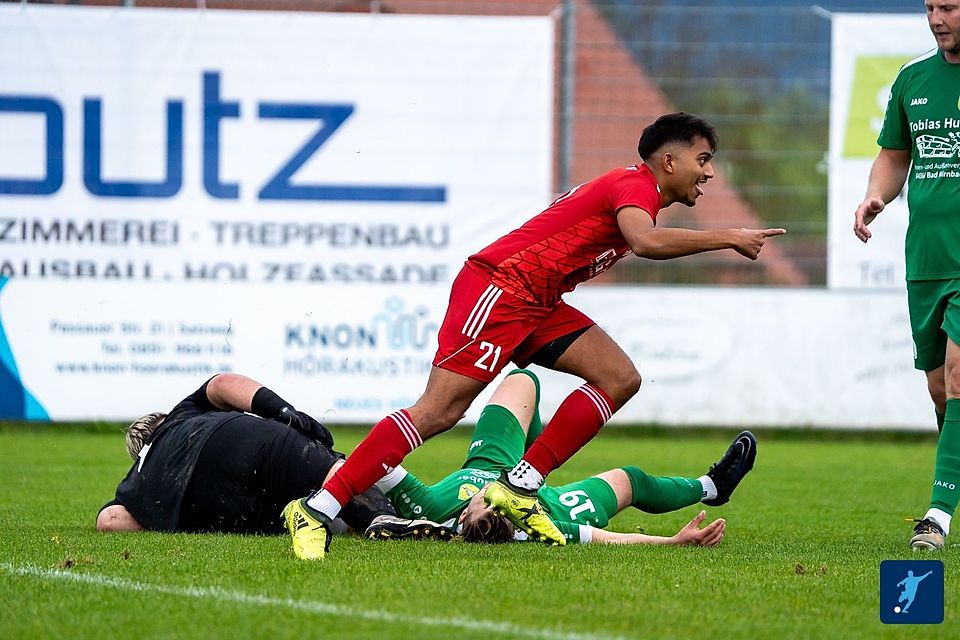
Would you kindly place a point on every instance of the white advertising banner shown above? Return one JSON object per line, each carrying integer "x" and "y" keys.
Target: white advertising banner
{"x": 171, "y": 145}
{"x": 172, "y": 150}
{"x": 867, "y": 52}
{"x": 289, "y": 196}
{"x": 728, "y": 357}
{"x": 755, "y": 357}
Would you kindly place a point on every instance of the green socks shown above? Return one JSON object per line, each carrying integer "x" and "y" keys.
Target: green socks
{"x": 946, "y": 475}
{"x": 660, "y": 495}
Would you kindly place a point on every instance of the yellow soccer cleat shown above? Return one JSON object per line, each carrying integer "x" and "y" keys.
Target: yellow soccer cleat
{"x": 522, "y": 508}
{"x": 310, "y": 530}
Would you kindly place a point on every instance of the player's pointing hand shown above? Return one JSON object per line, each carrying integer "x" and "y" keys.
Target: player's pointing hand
{"x": 749, "y": 242}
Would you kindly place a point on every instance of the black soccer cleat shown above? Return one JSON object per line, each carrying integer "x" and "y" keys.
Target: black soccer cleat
{"x": 386, "y": 527}
{"x": 727, "y": 472}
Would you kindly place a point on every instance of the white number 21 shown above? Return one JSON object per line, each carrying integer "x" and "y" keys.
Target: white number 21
{"x": 488, "y": 350}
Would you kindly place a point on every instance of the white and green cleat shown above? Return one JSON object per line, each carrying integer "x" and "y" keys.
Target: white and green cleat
{"x": 385, "y": 527}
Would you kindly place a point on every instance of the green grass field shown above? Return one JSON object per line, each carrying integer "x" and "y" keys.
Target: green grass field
{"x": 806, "y": 533}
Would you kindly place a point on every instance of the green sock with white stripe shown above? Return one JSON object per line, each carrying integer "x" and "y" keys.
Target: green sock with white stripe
{"x": 946, "y": 474}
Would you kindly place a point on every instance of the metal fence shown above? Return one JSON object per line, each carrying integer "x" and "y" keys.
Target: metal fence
{"x": 760, "y": 74}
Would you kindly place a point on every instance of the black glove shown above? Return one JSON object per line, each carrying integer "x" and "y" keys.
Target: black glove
{"x": 306, "y": 424}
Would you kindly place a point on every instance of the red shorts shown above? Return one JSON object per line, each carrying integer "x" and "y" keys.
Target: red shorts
{"x": 486, "y": 327}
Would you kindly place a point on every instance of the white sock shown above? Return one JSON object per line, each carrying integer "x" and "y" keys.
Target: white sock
{"x": 324, "y": 502}
{"x": 525, "y": 476}
{"x": 709, "y": 489}
{"x": 942, "y": 518}
{"x": 392, "y": 479}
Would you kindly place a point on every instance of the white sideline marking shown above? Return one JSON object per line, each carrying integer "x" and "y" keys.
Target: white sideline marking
{"x": 310, "y": 606}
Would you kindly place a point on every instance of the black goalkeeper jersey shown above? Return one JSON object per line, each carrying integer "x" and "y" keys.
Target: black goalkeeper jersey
{"x": 153, "y": 489}
{"x": 204, "y": 469}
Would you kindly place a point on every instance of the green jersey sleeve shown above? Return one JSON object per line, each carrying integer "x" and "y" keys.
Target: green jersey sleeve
{"x": 895, "y": 132}
{"x": 439, "y": 502}
{"x": 573, "y": 532}
{"x": 412, "y": 498}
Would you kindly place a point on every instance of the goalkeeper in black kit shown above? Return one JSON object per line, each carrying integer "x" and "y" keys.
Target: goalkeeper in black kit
{"x": 226, "y": 459}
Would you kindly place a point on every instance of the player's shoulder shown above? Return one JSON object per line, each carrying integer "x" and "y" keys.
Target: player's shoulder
{"x": 629, "y": 170}
{"x": 635, "y": 172}
{"x": 922, "y": 64}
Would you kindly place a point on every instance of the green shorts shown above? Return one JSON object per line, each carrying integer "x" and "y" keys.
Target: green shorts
{"x": 934, "y": 316}
{"x": 497, "y": 442}
{"x": 498, "y": 439}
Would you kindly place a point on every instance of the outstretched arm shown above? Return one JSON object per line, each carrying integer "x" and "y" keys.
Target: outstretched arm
{"x": 663, "y": 243}
{"x": 690, "y": 534}
{"x": 887, "y": 177}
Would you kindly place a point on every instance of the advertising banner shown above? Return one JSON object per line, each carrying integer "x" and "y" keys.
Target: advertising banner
{"x": 288, "y": 196}
{"x": 168, "y": 145}
{"x": 174, "y": 150}
{"x": 867, "y": 52}
{"x": 708, "y": 356}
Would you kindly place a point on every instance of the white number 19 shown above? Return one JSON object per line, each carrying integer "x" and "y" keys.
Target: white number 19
{"x": 578, "y": 500}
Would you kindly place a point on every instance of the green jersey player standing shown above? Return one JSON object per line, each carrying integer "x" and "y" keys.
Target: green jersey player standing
{"x": 581, "y": 510}
{"x": 920, "y": 139}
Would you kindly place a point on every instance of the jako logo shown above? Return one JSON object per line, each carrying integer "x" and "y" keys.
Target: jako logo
{"x": 391, "y": 329}
{"x": 946, "y": 485}
{"x": 918, "y": 101}
{"x": 330, "y": 117}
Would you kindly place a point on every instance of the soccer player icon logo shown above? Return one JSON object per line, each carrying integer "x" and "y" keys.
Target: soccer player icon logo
{"x": 911, "y": 591}
{"x": 909, "y": 584}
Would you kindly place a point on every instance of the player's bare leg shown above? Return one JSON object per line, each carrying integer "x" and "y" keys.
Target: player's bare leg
{"x": 611, "y": 380}
{"x": 600, "y": 361}
{"x": 446, "y": 398}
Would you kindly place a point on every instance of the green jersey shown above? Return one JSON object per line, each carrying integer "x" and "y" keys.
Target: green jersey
{"x": 923, "y": 115}
{"x": 498, "y": 443}
{"x": 441, "y": 502}
{"x": 574, "y": 508}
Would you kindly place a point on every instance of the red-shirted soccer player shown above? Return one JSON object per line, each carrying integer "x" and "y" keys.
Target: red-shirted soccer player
{"x": 506, "y": 305}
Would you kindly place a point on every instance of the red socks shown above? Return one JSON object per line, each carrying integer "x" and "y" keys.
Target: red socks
{"x": 384, "y": 448}
{"x": 576, "y": 422}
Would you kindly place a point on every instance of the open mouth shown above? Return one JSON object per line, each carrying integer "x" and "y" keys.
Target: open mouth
{"x": 699, "y": 187}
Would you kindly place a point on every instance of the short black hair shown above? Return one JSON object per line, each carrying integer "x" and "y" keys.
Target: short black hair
{"x": 675, "y": 127}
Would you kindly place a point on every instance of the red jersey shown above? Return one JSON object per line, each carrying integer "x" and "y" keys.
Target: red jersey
{"x": 572, "y": 240}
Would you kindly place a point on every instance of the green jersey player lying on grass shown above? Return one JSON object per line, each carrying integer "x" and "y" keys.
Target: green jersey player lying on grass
{"x": 581, "y": 510}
